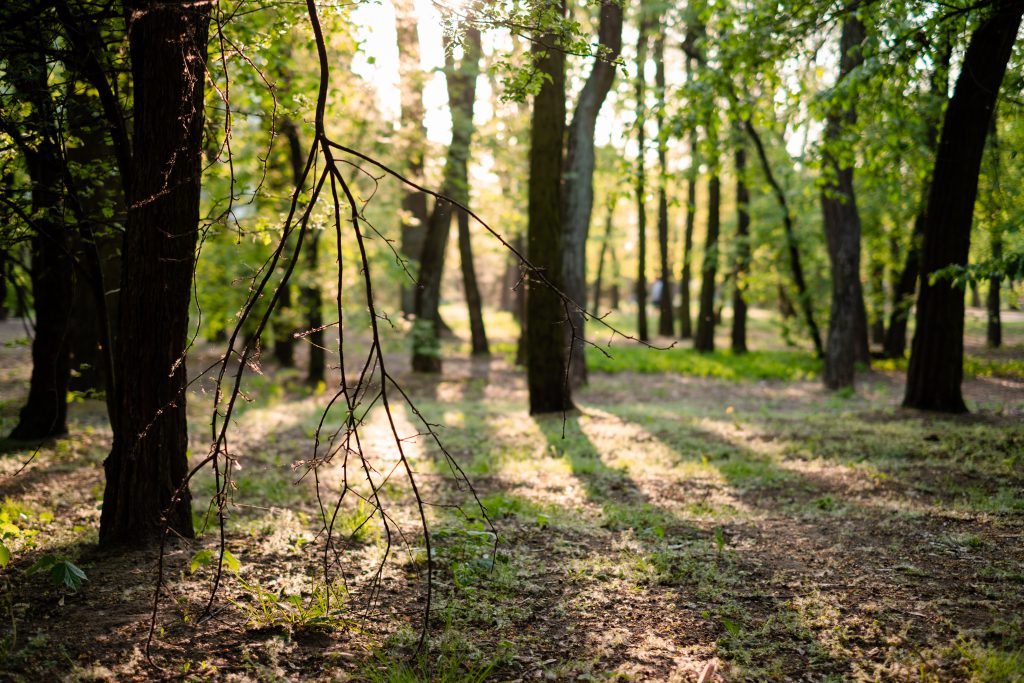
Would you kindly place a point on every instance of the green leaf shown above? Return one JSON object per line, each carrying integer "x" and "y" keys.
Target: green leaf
{"x": 5, "y": 556}
{"x": 65, "y": 573}
{"x": 200, "y": 559}
{"x": 231, "y": 562}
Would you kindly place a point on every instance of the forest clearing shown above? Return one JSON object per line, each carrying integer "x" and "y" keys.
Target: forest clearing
{"x": 512, "y": 340}
{"x": 759, "y": 524}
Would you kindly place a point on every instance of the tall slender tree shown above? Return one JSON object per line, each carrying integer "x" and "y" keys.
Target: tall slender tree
{"x": 666, "y": 317}
{"x": 642, "y": 40}
{"x": 578, "y": 178}
{"x": 461, "y": 81}
{"x": 704, "y": 340}
{"x": 847, "y": 329}
{"x": 741, "y": 257}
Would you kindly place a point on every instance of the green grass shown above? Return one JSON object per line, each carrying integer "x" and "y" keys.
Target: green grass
{"x": 1012, "y": 368}
{"x": 756, "y": 365}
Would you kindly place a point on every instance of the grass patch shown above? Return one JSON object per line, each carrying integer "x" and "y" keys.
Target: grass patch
{"x": 1009, "y": 368}
{"x": 756, "y": 365}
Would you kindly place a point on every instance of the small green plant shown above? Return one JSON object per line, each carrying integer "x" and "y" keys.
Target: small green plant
{"x": 63, "y": 572}
{"x": 266, "y": 609}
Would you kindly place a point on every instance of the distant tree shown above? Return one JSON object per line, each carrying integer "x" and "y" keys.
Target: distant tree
{"x": 461, "y": 80}
{"x": 642, "y": 41}
{"x": 936, "y": 357}
{"x": 38, "y": 140}
{"x": 704, "y": 340}
{"x": 413, "y": 139}
{"x": 666, "y": 317}
{"x": 847, "y": 329}
{"x": 741, "y": 258}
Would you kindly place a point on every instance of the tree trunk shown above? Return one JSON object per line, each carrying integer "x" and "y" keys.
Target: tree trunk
{"x": 936, "y": 358}
{"x": 578, "y": 179}
{"x": 742, "y": 262}
{"x": 666, "y": 310}
{"x": 685, "y": 316}
{"x": 414, "y": 215}
{"x": 45, "y": 412}
{"x": 97, "y": 247}
{"x": 547, "y": 357}
{"x": 310, "y": 295}
{"x": 876, "y": 269}
{"x": 145, "y": 471}
{"x": 792, "y": 246}
{"x": 477, "y": 332}
{"x": 895, "y": 345}
{"x": 847, "y": 334}
{"x": 994, "y": 328}
{"x": 641, "y": 178}
{"x": 426, "y": 356}
{"x": 284, "y": 342}
{"x": 705, "y": 339}
{"x": 601, "y": 258}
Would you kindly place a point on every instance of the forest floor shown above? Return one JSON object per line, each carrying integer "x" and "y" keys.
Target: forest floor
{"x": 737, "y": 521}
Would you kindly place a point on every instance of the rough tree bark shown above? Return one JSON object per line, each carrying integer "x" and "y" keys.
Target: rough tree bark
{"x": 704, "y": 341}
{"x": 148, "y": 462}
{"x": 847, "y": 327}
{"x": 547, "y": 356}
{"x": 666, "y": 310}
{"x": 742, "y": 255}
{"x": 461, "y": 82}
{"x": 578, "y": 179}
{"x": 936, "y": 357}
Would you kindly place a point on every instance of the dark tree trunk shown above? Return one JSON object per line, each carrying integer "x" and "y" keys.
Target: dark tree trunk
{"x": 578, "y": 179}
{"x": 3, "y": 285}
{"x": 847, "y": 334}
{"x": 477, "y": 332}
{"x": 685, "y": 316}
{"x": 547, "y": 356}
{"x": 895, "y": 345}
{"x": 605, "y": 241}
{"x": 45, "y": 412}
{"x": 666, "y": 317}
{"x": 310, "y": 295}
{"x": 792, "y": 246}
{"x": 994, "y": 329}
{"x": 284, "y": 342}
{"x": 145, "y": 488}
{"x": 877, "y": 321}
{"x": 641, "y": 181}
{"x": 461, "y": 81}
{"x": 414, "y": 215}
{"x": 705, "y": 339}
{"x": 97, "y": 248}
{"x": 936, "y": 358}
{"x": 742, "y": 263}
